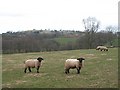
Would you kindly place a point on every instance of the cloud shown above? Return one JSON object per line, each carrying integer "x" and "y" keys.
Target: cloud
{"x": 7, "y": 14}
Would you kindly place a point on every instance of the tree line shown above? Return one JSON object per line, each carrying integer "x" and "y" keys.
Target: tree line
{"x": 44, "y": 40}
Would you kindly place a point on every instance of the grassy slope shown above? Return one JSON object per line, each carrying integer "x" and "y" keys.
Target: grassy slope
{"x": 64, "y": 40}
{"x": 114, "y": 42}
{"x": 100, "y": 70}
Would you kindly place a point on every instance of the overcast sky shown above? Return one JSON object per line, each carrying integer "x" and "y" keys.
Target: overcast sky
{"x": 19, "y": 15}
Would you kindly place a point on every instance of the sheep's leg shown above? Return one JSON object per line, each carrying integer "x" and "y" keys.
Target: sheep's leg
{"x": 38, "y": 69}
{"x": 25, "y": 70}
{"x": 78, "y": 70}
{"x": 29, "y": 69}
{"x": 66, "y": 71}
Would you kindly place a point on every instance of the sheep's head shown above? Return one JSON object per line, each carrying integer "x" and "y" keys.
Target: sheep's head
{"x": 39, "y": 59}
{"x": 97, "y": 48}
{"x": 80, "y": 59}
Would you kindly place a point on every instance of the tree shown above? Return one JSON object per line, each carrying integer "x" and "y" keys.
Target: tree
{"x": 111, "y": 36}
{"x": 111, "y": 28}
{"x": 91, "y": 25}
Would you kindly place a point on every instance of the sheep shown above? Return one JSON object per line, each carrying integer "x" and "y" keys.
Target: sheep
{"x": 33, "y": 63}
{"x": 74, "y": 63}
{"x": 104, "y": 48}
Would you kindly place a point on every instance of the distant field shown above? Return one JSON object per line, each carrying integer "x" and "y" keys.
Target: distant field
{"x": 114, "y": 42}
{"x": 65, "y": 40}
{"x": 100, "y": 70}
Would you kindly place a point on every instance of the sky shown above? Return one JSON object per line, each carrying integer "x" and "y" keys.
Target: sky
{"x": 21, "y": 15}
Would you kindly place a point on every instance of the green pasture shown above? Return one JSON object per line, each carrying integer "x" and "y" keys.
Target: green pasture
{"x": 65, "y": 40}
{"x": 100, "y": 70}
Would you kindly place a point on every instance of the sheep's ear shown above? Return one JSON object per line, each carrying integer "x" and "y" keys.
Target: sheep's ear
{"x": 39, "y": 58}
{"x": 80, "y": 59}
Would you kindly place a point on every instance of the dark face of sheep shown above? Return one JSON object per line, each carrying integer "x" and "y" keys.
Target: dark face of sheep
{"x": 97, "y": 48}
{"x": 80, "y": 59}
{"x": 39, "y": 59}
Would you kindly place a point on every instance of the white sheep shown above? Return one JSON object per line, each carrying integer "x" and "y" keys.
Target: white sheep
{"x": 104, "y": 48}
{"x": 33, "y": 63}
{"x": 74, "y": 63}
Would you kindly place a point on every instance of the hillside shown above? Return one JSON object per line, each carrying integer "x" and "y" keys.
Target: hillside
{"x": 65, "y": 40}
{"x": 39, "y": 40}
{"x": 53, "y": 40}
{"x": 114, "y": 42}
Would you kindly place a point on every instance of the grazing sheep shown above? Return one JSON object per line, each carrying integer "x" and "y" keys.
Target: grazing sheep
{"x": 102, "y": 48}
{"x": 33, "y": 63}
{"x": 73, "y": 63}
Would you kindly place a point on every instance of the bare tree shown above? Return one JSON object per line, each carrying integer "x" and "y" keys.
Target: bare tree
{"x": 91, "y": 25}
{"x": 113, "y": 29}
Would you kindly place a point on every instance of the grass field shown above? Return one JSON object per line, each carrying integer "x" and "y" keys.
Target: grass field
{"x": 65, "y": 40}
{"x": 100, "y": 70}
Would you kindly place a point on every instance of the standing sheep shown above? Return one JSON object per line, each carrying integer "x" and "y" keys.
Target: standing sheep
{"x": 102, "y": 48}
{"x": 73, "y": 63}
{"x": 33, "y": 63}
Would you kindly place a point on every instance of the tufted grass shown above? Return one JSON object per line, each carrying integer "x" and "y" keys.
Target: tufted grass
{"x": 100, "y": 70}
